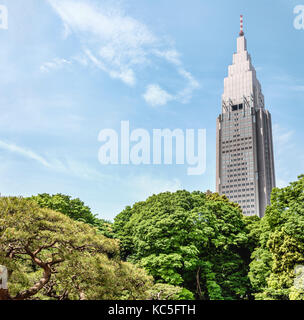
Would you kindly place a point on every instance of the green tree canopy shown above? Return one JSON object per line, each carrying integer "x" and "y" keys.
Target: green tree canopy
{"x": 273, "y": 271}
{"x": 75, "y": 209}
{"x": 50, "y": 256}
{"x": 195, "y": 240}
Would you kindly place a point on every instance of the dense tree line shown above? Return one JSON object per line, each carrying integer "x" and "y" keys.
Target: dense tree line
{"x": 195, "y": 240}
{"x": 75, "y": 209}
{"x": 277, "y": 267}
{"x": 178, "y": 245}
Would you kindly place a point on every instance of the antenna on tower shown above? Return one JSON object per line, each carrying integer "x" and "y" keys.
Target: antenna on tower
{"x": 241, "y": 26}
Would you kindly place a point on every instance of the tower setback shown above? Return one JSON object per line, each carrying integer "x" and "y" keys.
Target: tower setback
{"x": 244, "y": 150}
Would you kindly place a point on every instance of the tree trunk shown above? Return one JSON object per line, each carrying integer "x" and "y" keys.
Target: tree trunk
{"x": 37, "y": 287}
{"x": 198, "y": 285}
{"x": 4, "y": 295}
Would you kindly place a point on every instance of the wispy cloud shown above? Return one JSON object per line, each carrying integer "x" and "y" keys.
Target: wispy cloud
{"x": 56, "y": 64}
{"x": 24, "y": 152}
{"x": 117, "y": 44}
{"x": 127, "y": 75}
{"x": 139, "y": 187}
{"x": 81, "y": 170}
{"x": 67, "y": 166}
{"x": 156, "y": 96}
{"x": 170, "y": 55}
{"x": 173, "y": 57}
{"x": 186, "y": 94}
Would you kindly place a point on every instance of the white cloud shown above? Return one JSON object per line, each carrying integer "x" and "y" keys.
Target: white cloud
{"x": 68, "y": 166}
{"x": 125, "y": 75}
{"x": 24, "y": 152}
{"x": 156, "y": 96}
{"x": 117, "y": 44}
{"x": 186, "y": 94}
{"x": 120, "y": 41}
{"x": 56, "y": 64}
{"x": 170, "y": 55}
{"x": 80, "y": 170}
{"x": 140, "y": 186}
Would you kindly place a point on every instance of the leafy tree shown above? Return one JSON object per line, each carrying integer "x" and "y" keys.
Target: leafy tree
{"x": 194, "y": 240}
{"x": 254, "y": 231}
{"x": 161, "y": 291}
{"x": 105, "y": 227}
{"x": 193, "y": 244}
{"x": 75, "y": 209}
{"x": 281, "y": 246}
{"x": 50, "y": 256}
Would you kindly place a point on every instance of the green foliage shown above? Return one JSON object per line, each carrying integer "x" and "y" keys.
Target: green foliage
{"x": 281, "y": 246}
{"x": 194, "y": 240}
{"x": 50, "y": 256}
{"x": 104, "y": 227}
{"x": 75, "y": 209}
{"x": 254, "y": 231}
{"x": 195, "y": 245}
{"x": 161, "y": 291}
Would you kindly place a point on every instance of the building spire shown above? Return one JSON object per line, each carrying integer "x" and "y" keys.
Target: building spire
{"x": 241, "y": 26}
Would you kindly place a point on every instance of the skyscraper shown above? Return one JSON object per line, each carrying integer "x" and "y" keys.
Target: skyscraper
{"x": 244, "y": 149}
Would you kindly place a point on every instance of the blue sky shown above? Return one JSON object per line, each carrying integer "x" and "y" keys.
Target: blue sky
{"x": 70, "y": 68}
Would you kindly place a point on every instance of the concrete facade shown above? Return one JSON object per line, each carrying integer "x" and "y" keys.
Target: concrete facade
{"x": 244, "y": 147}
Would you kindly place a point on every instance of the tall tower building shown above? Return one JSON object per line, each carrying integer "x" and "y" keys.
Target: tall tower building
{"x": 244, "y": 150}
